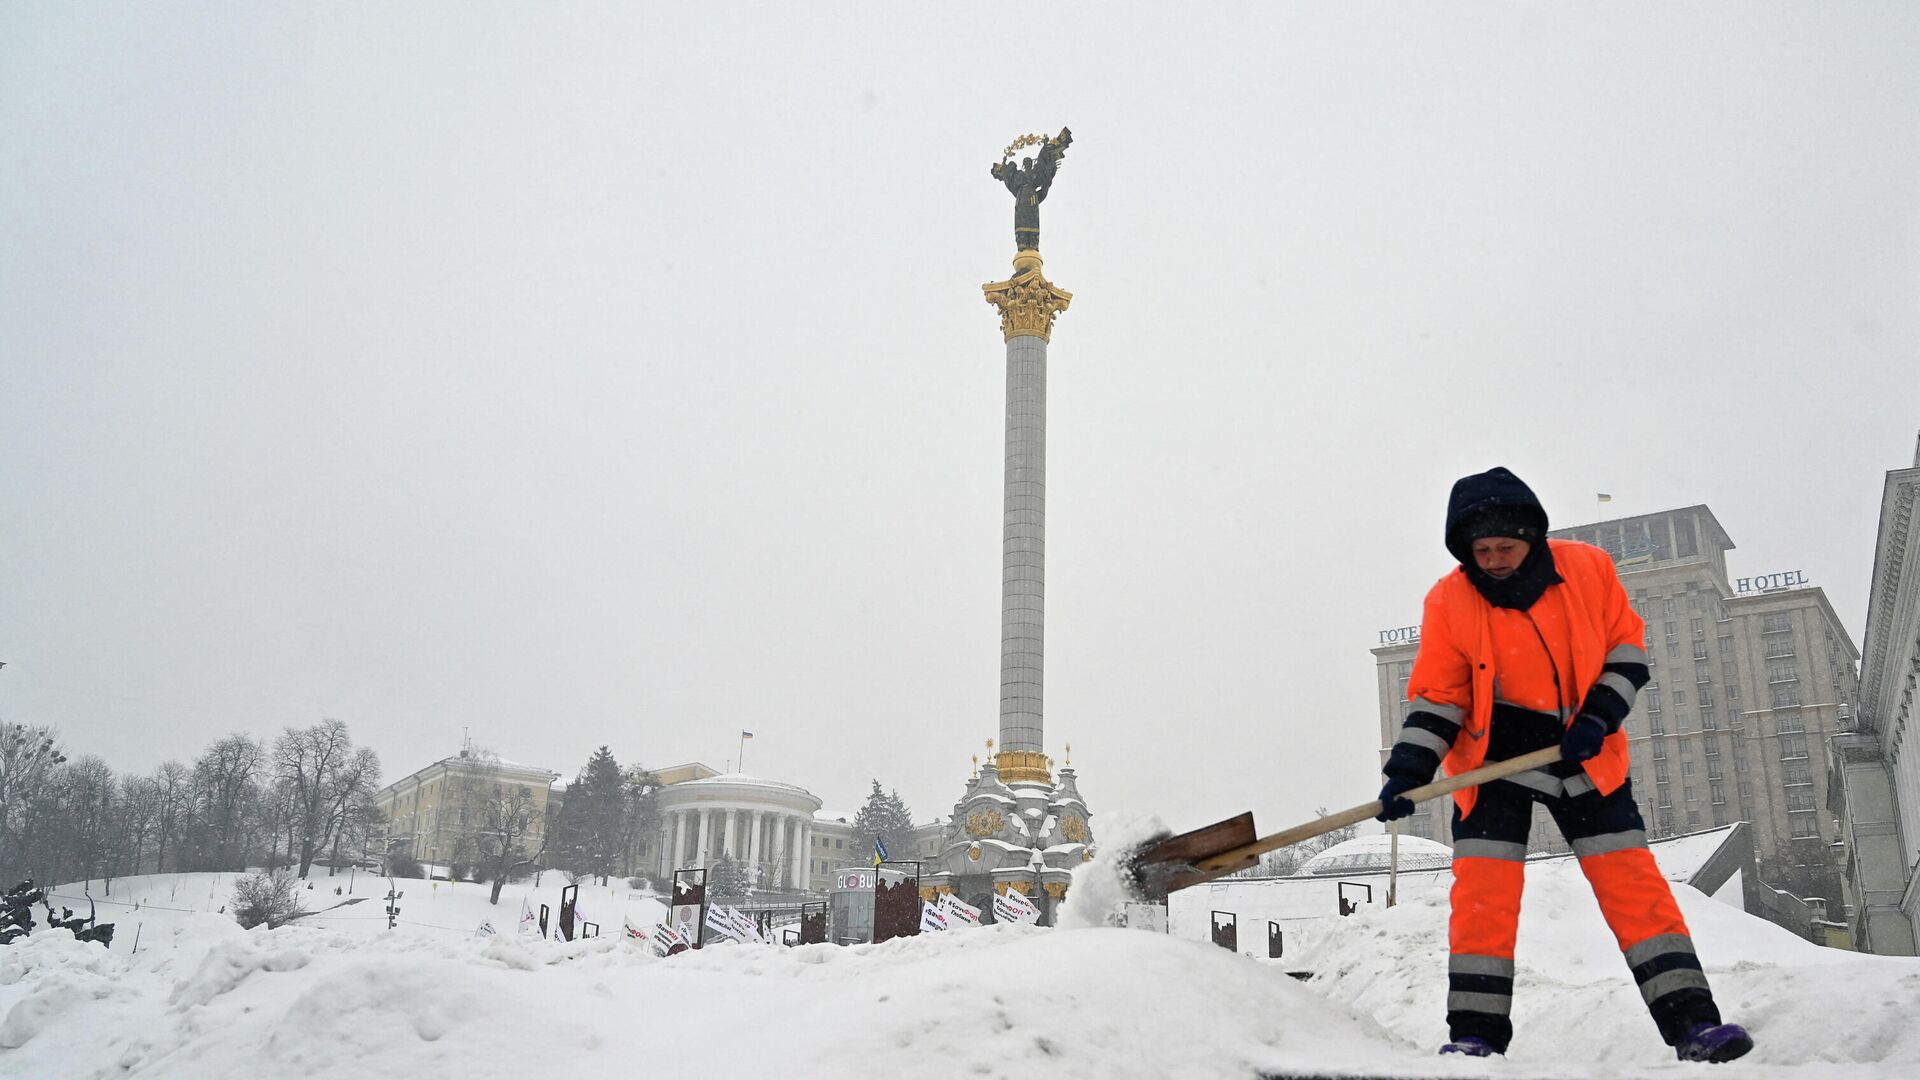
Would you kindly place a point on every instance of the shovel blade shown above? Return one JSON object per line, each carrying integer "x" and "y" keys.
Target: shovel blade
{"x": 1170, "y": 863}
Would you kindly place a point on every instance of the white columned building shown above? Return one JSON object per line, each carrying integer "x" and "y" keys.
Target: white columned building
{"x": 765, "y": 824}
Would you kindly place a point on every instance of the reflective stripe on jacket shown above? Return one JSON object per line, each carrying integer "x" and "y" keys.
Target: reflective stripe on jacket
{"x": 1459, "y": 658}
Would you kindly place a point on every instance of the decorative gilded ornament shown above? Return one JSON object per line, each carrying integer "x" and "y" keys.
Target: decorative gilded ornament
{"x": 985, "y": 823}
{"x": 1027, "y": 301}
{"x": 1074, "y": 829}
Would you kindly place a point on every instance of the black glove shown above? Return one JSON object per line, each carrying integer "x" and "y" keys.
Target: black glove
{"x": 1392, "y": 805}
{"x": 1583, "y": 737}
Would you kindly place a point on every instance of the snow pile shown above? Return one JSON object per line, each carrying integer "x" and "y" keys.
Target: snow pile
{"x": 1575, "y": 1005}
{"x": 204, "y": 1000}
{"x": 993, "y": 1001}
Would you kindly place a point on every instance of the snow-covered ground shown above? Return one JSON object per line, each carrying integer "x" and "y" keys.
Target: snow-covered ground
{"x": 338, "y": 995}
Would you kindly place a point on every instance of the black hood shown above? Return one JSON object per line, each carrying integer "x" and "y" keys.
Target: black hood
{"x": 1495, "y": 489}
{"x": 1499, "y": 494}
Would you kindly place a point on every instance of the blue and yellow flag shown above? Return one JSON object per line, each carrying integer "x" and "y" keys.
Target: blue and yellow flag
{"x": 879, "y": 851}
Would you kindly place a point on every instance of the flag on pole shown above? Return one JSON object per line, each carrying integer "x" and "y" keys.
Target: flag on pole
{"x": 959, "y": 910}
{"x": 1013, "y": 906}
{"x": 666, "y": 940}
{"x": 743, "y": 925}
{"x": 879, "y": 851}
{"x": 1603, "y": 498}
{"x": 931, "y": 916}
{"x": 746, "y": 734}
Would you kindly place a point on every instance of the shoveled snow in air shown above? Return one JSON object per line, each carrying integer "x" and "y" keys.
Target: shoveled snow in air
{"x": 349, "y": 998}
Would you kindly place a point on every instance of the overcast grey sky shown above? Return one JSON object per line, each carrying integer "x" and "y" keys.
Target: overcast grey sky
{"x": 619, "y": 373}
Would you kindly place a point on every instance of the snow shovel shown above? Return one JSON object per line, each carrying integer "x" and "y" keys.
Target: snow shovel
{"x": 1172, "y": 863}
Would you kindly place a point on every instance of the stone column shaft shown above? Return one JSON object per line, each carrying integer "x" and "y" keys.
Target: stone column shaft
{"x": 754, "y": 821}
{"x": 700, "y": 851}
{"x": 1023, "y": 547}
{"x": 796, "y": 853}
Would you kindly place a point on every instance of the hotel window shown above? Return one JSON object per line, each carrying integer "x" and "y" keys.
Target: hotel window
{"x": 1666, "y": 797}
{"x": 1739, "y": 763}
{"x": 1683, "y": 537}
{"x": 1686, "y": 768}
{"x": 1660, "y": 750}
{"x": 1789, "y": 722}
{"x": 1699, "y": 625}
{"x": 1700, "y": 650}
{"x": 1716, "y": 793}
{"x": 1687, "y": 793}
{"x": 1706, "y": 695}
{"x": 1733, "y": 691}
{"x": 1776, "y": 624}
{"x": 1782, "y": 673}
{"x": 1796, "y": 771}
{"x": 1709, "y": 722}
{"x": 1651, "y": 695}
{"x": 1679, "y": 697}
{"x": 1713, "y": 768}
{"x": 1666, "y": 605}
{"x": 1802, "y": 826}
{"x": 1673, "y": 629}
{"x": 1660, "y": 772}
{"x": 1779, "y": 647}
{"x": 1786, "y": 697}
{"x": 1693, "y": 817}
{"x": 1793, "y": 746}
{"x": 1673, "y": 648}
{"x": 1799, "y": 800}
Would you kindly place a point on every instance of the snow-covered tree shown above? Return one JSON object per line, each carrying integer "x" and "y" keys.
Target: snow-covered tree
{"x": 886, "y": 816}
{"x": 727, "y": 877}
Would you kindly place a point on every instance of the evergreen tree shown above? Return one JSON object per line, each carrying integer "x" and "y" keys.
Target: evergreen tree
{"x": 592, "y": 821}
{"x": 727, "y": 877}
{"x": 885, "y": 816}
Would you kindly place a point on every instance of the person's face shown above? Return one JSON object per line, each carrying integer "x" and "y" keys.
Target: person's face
{"x": 1500, "y": 556}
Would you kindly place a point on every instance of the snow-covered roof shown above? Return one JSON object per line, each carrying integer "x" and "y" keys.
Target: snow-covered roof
{"x": 740, "y": 780}
{"x": 1374, "y": 852}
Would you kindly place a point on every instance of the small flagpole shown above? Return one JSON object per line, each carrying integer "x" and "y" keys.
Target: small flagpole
{"x": 743, "y": 751}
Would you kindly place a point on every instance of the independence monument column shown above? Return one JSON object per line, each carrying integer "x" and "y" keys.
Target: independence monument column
{"x": 1020, "y": 826}
{"x": 1028, "y": 303}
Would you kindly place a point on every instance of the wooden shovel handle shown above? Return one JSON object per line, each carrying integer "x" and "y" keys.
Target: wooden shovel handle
{"x": 1228, "y": 861}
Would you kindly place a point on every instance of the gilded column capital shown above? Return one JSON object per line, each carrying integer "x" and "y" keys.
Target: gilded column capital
{"x": 1027, "y": 300}
{"x": 1017, "y": 766}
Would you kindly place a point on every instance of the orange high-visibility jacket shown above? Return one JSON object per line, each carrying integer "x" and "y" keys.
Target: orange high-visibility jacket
{"x": 1582, "y": 619}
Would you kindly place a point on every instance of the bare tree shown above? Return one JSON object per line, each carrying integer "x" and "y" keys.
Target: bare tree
{"x": 171, "y": 785}
{"x": 322, "y": 772}
{"x": 139, "y": 811}
{"x": 90, "y": 797}
{"x": 28, "y": 755}
{"x": 228, "y": 776}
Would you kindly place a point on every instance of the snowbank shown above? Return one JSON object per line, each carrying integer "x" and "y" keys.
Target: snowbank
{"x": 347, "y": 998}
